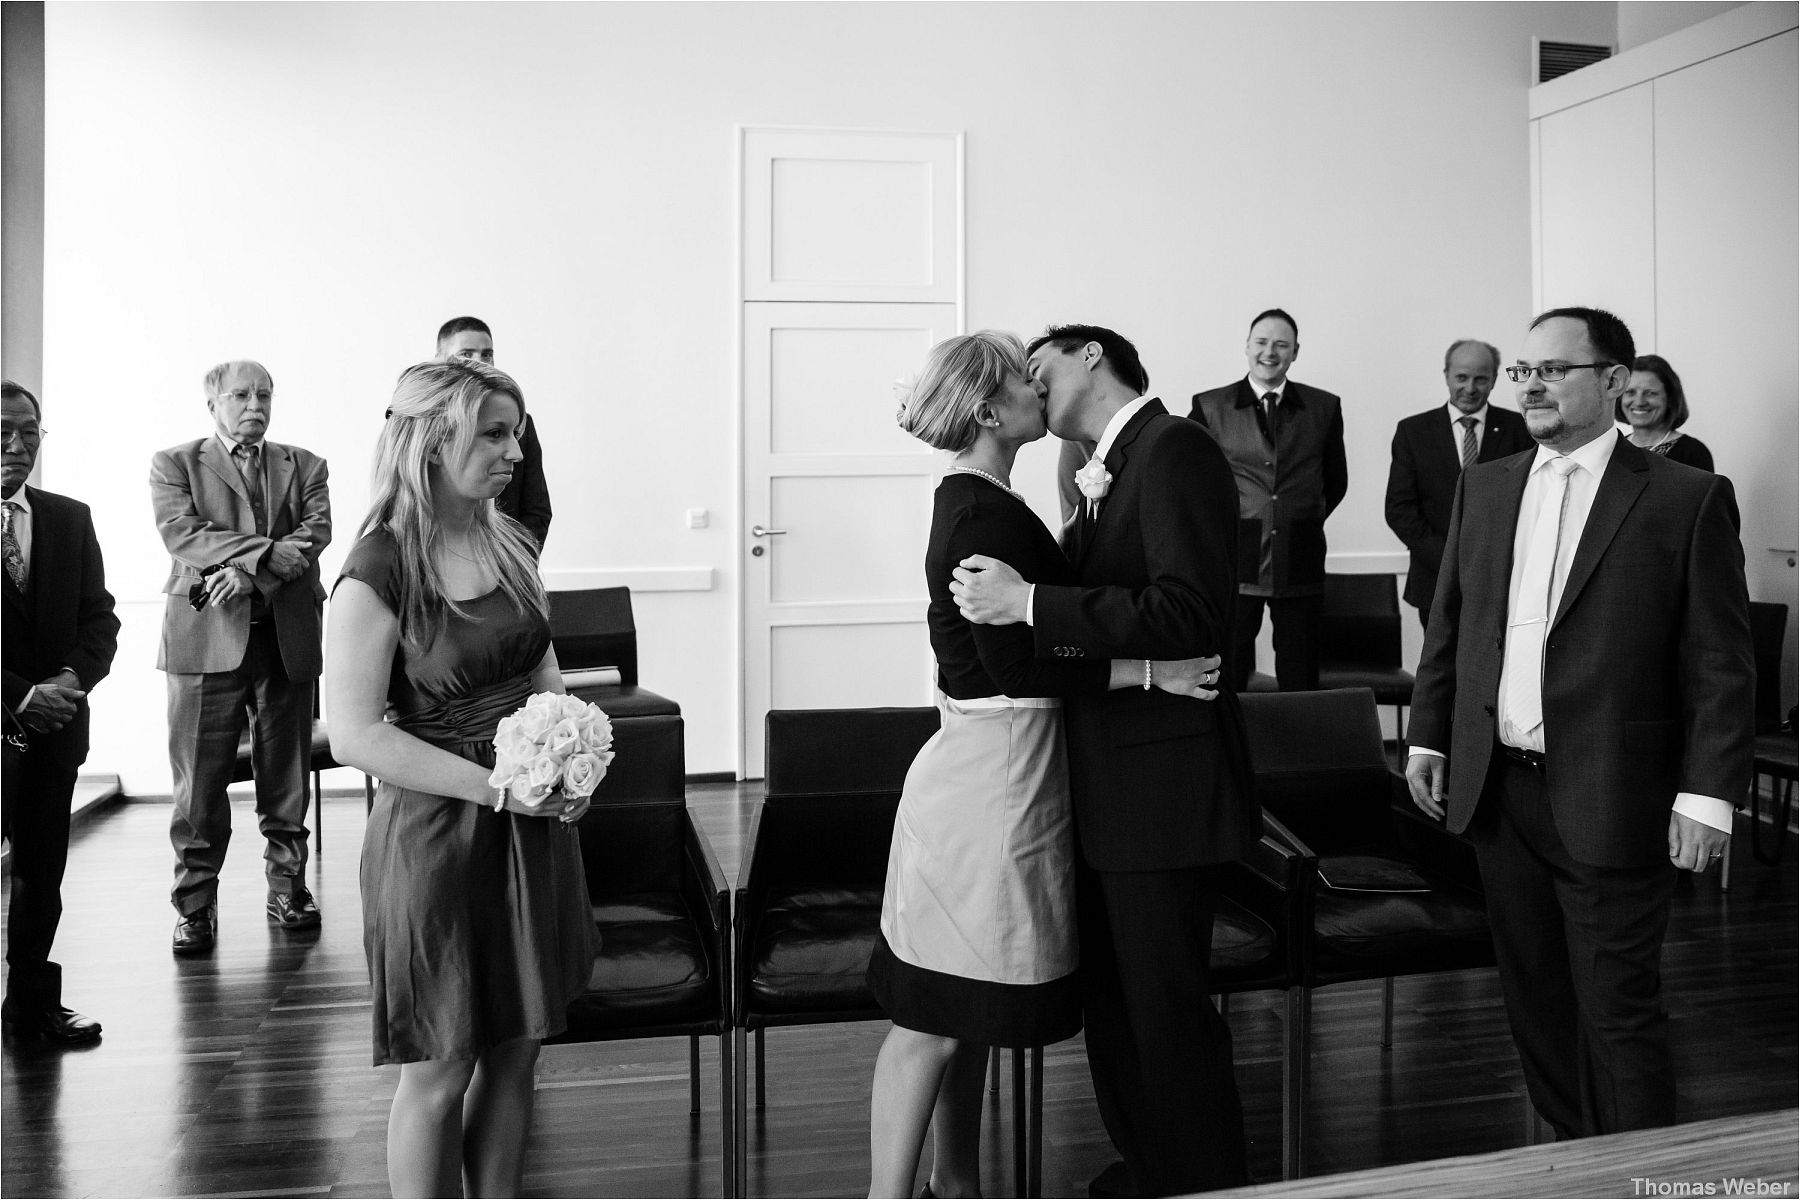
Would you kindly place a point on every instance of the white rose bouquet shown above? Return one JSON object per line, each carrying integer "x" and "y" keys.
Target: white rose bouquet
{"x": 554, "y": 741}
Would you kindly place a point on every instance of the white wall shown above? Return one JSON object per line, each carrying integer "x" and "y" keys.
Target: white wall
{"x": 1643, "y": 21}
{"x": 318, "y": 186}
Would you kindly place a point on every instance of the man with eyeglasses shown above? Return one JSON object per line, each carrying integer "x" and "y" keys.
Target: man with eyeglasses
{"x": 244, "y": 520}
{"x": 59, "y": 635}
{"x": 1430, "y": 452}
{"x": 1285, "y": 441}
{"x": 1587, "y": 670}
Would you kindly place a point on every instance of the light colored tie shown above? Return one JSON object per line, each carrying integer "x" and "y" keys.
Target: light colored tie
{"x": 1468, "y": 445}
{"x": 15, "y": 560}
{"x": 1529, "y": 621}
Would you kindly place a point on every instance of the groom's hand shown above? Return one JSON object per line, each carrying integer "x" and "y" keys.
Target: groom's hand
{"x": 989, "y": 592}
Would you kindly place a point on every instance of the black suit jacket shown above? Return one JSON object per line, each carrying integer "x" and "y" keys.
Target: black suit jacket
{"x": 1159, "y": 781}
{"x": 1284, "y": 496}
{"x": 527, "y": 496}
{"x": 64, "y": 618}
{"x": 1649, "y": 681}
{"x": 1427, "y": 460}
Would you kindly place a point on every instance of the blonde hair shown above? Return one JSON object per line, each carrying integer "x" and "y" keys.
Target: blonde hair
{"x": 960, "y": 372}
{"x": 436, "y": 408}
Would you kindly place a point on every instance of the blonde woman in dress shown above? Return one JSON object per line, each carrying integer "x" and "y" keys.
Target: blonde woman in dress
{"x": 977, "y": 944}
{"x": 475, "y": 912}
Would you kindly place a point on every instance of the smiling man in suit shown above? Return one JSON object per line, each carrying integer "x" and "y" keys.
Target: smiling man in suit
{"x": 527, "y": 498}
{"x": 1431, "y": 451}
{"x": 1160, "y": 783}
{"x": 244, "y": 520}
{"x": 59, "y": 637}
{"x": 1285, "y": 441}
{"x": 1588, "y": 672}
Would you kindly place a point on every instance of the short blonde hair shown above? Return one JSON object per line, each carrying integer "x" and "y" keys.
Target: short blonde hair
{"x": 960, "y": 372}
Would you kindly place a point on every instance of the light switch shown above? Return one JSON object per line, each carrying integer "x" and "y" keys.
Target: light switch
{"x": 697, "y": 518}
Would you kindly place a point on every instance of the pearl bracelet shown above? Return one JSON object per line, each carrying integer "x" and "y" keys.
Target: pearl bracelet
{"x": 1146, "y": 674}
{"x": 500, "y": 800}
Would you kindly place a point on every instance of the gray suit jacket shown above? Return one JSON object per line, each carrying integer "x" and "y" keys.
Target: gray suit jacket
{"x": 203, "y": 514}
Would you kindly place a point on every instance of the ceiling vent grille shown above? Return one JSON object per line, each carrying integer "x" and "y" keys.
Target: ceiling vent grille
{"x": 1559, "y": 58}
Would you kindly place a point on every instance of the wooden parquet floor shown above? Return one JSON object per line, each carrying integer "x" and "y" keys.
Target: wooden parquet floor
{"x": 247, "y": 1073}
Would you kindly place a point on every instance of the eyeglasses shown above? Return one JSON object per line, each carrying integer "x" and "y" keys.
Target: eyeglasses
{"x": 29, "y": 436}
{"x": 1549, "y": 372}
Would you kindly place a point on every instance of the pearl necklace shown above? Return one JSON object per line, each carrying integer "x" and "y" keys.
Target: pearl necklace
{"x": 990, "y": 478}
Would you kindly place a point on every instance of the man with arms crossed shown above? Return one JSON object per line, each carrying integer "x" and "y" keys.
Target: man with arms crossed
{"x": 527, "y": 498}
{"x": 60, "y": 634}
{"x": 1587, "y": 670}
{"x": 1431, "y": 451}
{"x": 1161, "y": 784}
{"x": 244, "y": 520}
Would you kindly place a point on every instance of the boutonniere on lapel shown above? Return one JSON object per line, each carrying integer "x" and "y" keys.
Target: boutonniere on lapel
{"x": 1094, "y": 479}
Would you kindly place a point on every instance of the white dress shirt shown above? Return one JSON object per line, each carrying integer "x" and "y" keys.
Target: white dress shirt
{"x": 1456, "y": 429}
{"x": 1101, "y": 448}
{"x": 1584, "y": 483}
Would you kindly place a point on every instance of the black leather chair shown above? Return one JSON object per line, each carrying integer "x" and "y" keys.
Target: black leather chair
{"x": 1404, "y": 895}
{"x": 815, "y": 861}
{"x": 593, "y": 628}
{"x": 662, "y": 909}
{"x": 1775, "y": 738}
{"x": 1359, "y": 644}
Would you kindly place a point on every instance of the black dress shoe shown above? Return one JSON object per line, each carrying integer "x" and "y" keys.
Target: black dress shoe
{"x": 293, "y": 910}
{"x": 196, "y": 932}
{"x": 63, "y": 1026}
{"x": 1114, "y": 1181}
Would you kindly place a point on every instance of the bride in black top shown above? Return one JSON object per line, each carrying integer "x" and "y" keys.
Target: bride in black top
{"x": 977, "y": 944}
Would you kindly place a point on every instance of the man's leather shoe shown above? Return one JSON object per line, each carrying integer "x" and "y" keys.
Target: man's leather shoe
{"x": 293, "y": 910}
{"x": 63, "y": 1026}
{"x": 196, "y": 932}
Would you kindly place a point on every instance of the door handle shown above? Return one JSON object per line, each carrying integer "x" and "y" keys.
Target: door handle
{"x": 759, "y": 531}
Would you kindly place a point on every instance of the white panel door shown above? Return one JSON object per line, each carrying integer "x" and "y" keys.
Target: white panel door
{"x": 852, "y": 215}
{"x": 837, "y": 509}
{"x": 1596, "y": 214}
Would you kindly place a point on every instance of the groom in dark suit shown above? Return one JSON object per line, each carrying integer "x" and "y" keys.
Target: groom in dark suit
{"x": 1432, "y": 449}
{"x": 1588, "y": 672}
{"x": 1160, "y": 783}
{"x": 59, "y": 637}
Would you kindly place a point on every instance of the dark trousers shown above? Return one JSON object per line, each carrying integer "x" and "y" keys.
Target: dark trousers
{"x": 207, "y": 716}
{"x": 1295, "y": 622}
{"x": 1580, "y": 950}
{"x": 1158, "y": 1050}
{"x": 36, "y": 819}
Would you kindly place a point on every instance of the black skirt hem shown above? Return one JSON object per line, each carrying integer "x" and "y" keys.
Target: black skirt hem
{"x": 973, "y": 1010}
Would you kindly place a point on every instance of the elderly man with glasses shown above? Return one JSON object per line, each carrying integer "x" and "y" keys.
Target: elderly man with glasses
{"x": 59, "y": 637}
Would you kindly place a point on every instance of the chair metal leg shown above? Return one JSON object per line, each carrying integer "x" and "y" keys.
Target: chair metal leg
{"x": 741, "y": 1113}
{"x": 693, "y": 1075}
{"x": 1387, "y": 1013}
{"x": 727, "y": 1119}
{"x": 1295, "y": 1069}
{"x": 1019, "y": 1119}
{"x": 762, "y": 1098}
{"x": 1725, "y": 862}
{"x": 1034, "y": 1179}
{"x": 1399, "y": 741}
{"x": 318, "y": 806}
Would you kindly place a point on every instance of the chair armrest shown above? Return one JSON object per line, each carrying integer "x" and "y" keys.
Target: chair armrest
{"x": 1428, "y": 845}
{"x": 747, "y": 903}
{"x": 707, "y": 876}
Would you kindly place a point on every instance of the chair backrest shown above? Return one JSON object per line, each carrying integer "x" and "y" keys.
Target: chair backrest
{"x": 843, "y": 751}
{"x": 649, "y": 762}
{"x": 632, "y": 848}
{"x": 1359, "y": 621}
{"x": 1320, "y": 767}
{"x": 1768, "y": 630}
{"x": 592, "y": 627}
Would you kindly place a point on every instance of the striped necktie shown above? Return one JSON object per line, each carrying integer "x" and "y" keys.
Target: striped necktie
{"x": 1468, "y": 442}
{"x": 15, "y": 559}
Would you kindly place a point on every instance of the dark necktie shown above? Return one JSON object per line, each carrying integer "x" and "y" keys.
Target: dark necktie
{"x": 249, "y": 464}
{"x": 1272, "y": 407}
{"x": 1468, "y": 441}
{"x": 15, "y": 560}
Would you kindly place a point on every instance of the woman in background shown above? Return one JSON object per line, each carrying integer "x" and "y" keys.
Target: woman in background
{"x": 977, "y": 944}
{"x": 475, "y": 910}
{"x": 1655, "y": 406}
